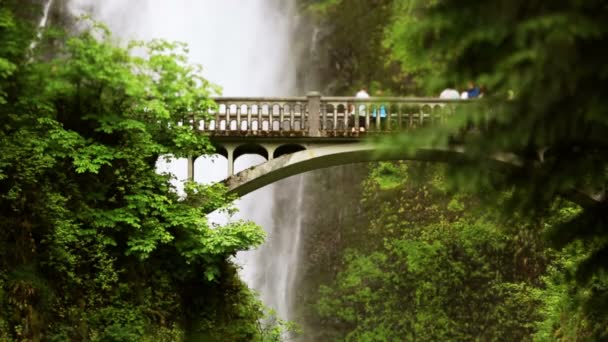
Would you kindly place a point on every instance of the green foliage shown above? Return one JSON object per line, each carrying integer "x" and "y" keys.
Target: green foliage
{"x": 543, "y": 66}
{"x": 389, "y": 175}
{"x": 16, "y": 35}
{"x": 403, "y": 40}
{"x": 442, "y": 271}
{"x": 565, "y": 310}
{"x": 94, "y": 244}
{"x": 571, "y": 311}
{"x": 350, "y": 39}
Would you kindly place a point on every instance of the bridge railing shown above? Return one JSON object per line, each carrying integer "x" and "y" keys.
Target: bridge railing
{"x": 319, "y": 116}
{"x": 355, "y": 116}
{"x": 258, "y": 116}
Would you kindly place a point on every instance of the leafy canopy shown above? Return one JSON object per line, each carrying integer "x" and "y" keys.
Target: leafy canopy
{"x": 94, "y": 243}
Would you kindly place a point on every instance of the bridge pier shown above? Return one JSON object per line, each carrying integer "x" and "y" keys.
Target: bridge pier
{"x": 230, "y": 157}
{"x": 270, "y": 150}
{"x": 191, "y": 169}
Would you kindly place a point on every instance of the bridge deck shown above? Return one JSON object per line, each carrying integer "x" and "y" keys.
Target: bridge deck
{"x": 274, "y": 127}
{"x": 317, "y": 116}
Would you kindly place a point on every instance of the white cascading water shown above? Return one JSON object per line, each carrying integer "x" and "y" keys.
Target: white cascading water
{"x": 42, "y": 23}
{"x": 246, "y": 47}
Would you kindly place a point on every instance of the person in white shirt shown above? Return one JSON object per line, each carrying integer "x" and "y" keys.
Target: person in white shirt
{"x": 361, "y": 94}
{"x": 449, "y": 93}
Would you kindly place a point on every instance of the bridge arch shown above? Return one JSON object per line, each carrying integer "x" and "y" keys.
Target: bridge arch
{"x": 250, "y": 148}
{"x": 221, "y": 150}
{"x": 323, "y": 157}
{"x": 213, "y": 166}
{"x": 308, "y": 160}
{"x": 287, "y": 149}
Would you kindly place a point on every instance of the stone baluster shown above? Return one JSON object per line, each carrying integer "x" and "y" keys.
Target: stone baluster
{"x": 259, "y": 109}
{"x": 217, "y": 119}
{"x": 367, "y": 113}
{"x": 227, "y": 116}
{"x": 238, "y": 117}
{"x": 399, "y": 116}
{"x": 356, "y": 117}
{"x": 281, "y": 117}
{"x": 249, "y": 118}
{"x": 292, "y": 118}
{"x": 323, "y": 108}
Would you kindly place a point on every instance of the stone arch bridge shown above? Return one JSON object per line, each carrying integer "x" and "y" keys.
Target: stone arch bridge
{"x": 299, "y": 134}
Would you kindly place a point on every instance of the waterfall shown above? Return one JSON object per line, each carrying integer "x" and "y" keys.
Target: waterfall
{"x": 273, "y": 268}
{"x": 42, "y": 23}
{"x": 245, "y": 46}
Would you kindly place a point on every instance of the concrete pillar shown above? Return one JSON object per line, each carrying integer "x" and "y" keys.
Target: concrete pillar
{"x": 191, "y": 169}
{"x": 270, "y": 150}
{"x": 230, "y": 152}
{"x": 314, "y": 114}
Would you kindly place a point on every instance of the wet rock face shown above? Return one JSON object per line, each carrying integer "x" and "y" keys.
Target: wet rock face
{"x": 31, "y": 10}
{"x": 332, "y": 217}
{"x": 60, "y": 15}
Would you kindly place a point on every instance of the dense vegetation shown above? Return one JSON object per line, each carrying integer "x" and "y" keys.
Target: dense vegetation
{"x": 431, "y": 263}
{"x": 548, "y": 58}
{"x": 441, "y": 269}
{"x": 95, "y": 245}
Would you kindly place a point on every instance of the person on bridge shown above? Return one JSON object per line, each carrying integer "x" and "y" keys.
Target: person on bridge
{"x": 473, "y": 91}
{"x": 361, "y": 94}
{"x": 449, "y": 94}
{"x": 381, "y": 108}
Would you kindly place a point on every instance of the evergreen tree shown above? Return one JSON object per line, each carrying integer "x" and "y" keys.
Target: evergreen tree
{"x": 543, "y": 65}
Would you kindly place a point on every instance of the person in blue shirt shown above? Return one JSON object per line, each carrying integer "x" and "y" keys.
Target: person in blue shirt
{"x": 473, "y": 91}
{"x": 381, "y": 108}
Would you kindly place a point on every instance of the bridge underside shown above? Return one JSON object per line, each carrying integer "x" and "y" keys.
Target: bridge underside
{"x": 292, "y": 164}
{"x": 268, "y": 148}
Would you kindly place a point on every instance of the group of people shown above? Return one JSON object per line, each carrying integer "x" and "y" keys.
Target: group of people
{"x": 473, "y": 91}
{"x": 380, "y": 112}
